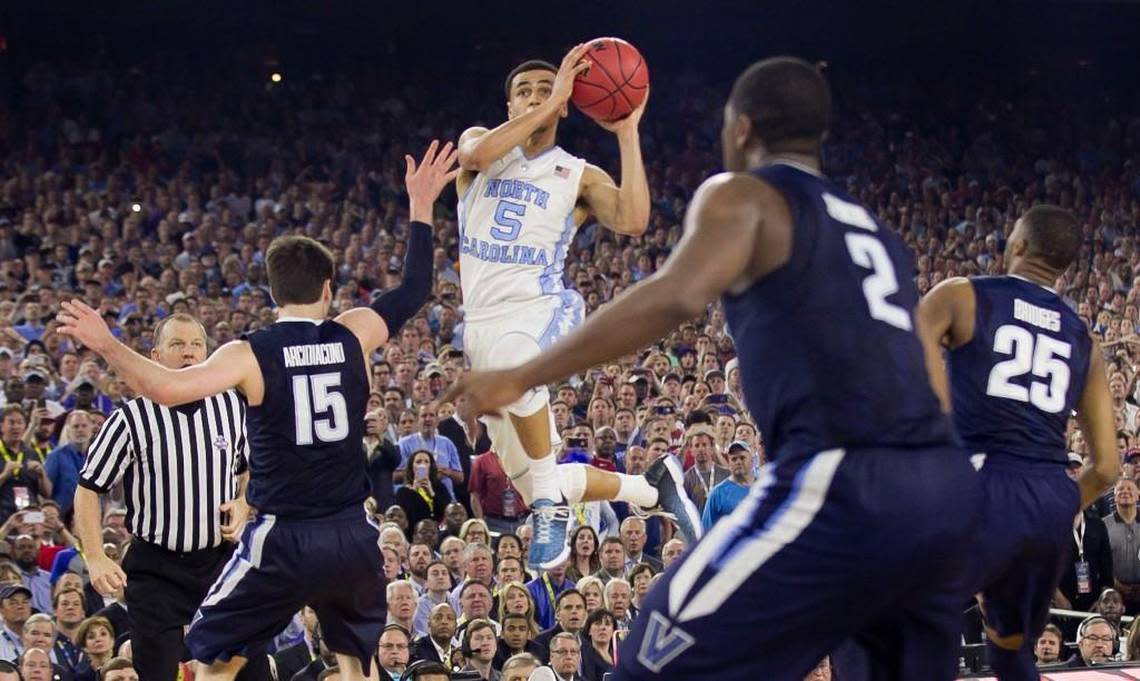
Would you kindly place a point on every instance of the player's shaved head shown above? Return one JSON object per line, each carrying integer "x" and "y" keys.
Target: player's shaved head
{"x": 788, "y": 101}
{"x": 1053, "y": 235}
{"x": 528, "y": 65}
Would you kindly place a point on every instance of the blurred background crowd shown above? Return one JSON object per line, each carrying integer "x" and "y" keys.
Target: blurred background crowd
{"x": 149, "y": 182}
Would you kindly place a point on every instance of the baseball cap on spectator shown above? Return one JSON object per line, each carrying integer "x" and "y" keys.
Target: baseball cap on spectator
{"x": 175, "y": 297}
{"x": 5, "y": 353}
{"x": 105, "y": 262}
{"x": 635, "y": 378}
{"x": 732, "y": 365}
{"x": 83, "y": 381}
{"x": 433, "y": 369}
{"x": 13, "y": 589}
{"x": 713, "y": 373}
{"x": 739, "y": 446}
{"x": 1075, "y": 460}
{"x": 35, "y": 374}
{"x": 671, "y": 376}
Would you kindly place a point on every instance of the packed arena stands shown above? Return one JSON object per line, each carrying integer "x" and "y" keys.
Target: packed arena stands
{"x": 154, "y": 188}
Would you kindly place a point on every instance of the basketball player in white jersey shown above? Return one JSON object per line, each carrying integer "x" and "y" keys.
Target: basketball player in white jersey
{"x": 521, "y": 200}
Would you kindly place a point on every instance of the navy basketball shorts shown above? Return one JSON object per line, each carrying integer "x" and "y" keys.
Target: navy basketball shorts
{"x": 331, "y": 563}
{"x": 1024, "y": 541}
{"x": 868, "y": 545}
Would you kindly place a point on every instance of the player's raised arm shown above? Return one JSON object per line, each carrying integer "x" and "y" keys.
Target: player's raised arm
{"x": 1094, "y": 412}
{"x": 373, "y": 325}
{"x": 945, "y": 320}
{"x": 727, "y": 209}
{"x": 625, "y": 208}
{"x": 479, "y": 147}
{"x": 229, "y": 367}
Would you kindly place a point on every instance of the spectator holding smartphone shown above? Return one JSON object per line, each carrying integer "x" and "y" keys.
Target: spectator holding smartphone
{"x": 423, "y": 494}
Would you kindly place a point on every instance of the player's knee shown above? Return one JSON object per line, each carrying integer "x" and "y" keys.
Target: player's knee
{"x": 572, "y": 480}
{"x": 524, "y": 488}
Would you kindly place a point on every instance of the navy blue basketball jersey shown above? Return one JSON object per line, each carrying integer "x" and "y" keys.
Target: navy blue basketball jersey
{"x": 305, "y": 438}
{"x": 1017, "y": 381}
{"x": 828, "y": 352}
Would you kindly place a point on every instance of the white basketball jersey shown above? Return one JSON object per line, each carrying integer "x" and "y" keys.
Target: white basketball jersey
{"x": 516, "y": 222}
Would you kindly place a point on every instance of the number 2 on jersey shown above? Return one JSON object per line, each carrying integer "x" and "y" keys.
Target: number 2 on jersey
{"x": 318, "y": 394}
{"x": 1039, "y": 356}
{"x": 868, "y": 252}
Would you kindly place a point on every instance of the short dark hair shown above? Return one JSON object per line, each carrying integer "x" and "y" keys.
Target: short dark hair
{"x": 1054, "y": 235}
{"x": 425, "y": 668}
{"x": 471, "y": 584}
{"x": 528, "y": 65}
{"x": 59, "y": 594}
{"x": 13, "y": 409}
{"x": 176, "y": 317}
{"x": 115, "y": 664}
{"x": 568, "y": 593}
{"x": 298, "y": 268}
{"x": 788, "y": 101}
{"x": 474, "y": 626}
{"x": 611, "y": 540}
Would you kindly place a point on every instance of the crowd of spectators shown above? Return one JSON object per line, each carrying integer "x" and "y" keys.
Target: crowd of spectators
{"x": 146, "y": 193}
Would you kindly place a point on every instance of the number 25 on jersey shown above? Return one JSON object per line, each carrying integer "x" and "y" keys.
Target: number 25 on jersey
{"x": 1041, "y": 355}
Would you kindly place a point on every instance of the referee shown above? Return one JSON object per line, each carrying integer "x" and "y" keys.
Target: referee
{"x": 183, "y": 469}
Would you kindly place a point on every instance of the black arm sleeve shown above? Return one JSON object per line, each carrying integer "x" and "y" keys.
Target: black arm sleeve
{"x": 401, "y": 303}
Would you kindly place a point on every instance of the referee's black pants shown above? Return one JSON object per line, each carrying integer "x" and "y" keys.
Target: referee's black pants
{"x": 164, "y": 590}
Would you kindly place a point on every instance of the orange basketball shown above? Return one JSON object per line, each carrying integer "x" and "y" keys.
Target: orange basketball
{"x": 616, "y": 82}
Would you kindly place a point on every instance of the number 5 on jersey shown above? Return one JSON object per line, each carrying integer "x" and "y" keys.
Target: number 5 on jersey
{"x": 316, "y": 395}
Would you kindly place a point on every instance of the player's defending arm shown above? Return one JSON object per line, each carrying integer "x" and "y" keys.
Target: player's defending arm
{"x": 1094, "y": 412}
{"x": 623, "y": 209}
{"x": 727, "y": 209}
{"x": 374, "y": 324}
{"x": 232, "y": 366}
{"x": 480, "y": 147}
{"x": 945, "y": 320}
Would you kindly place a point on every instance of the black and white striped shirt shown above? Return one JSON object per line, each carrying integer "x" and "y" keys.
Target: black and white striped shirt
{"x": 177, "y": 464}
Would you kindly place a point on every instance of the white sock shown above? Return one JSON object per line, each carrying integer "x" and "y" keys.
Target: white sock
{"x": 544, "y": 480}
{"x": 636, "y": 490}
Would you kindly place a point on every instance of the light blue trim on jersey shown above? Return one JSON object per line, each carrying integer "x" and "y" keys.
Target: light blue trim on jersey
{"x": 550, "y": 281}
{"x": 569, "y": 313}
{"x": 464, "y": 208}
